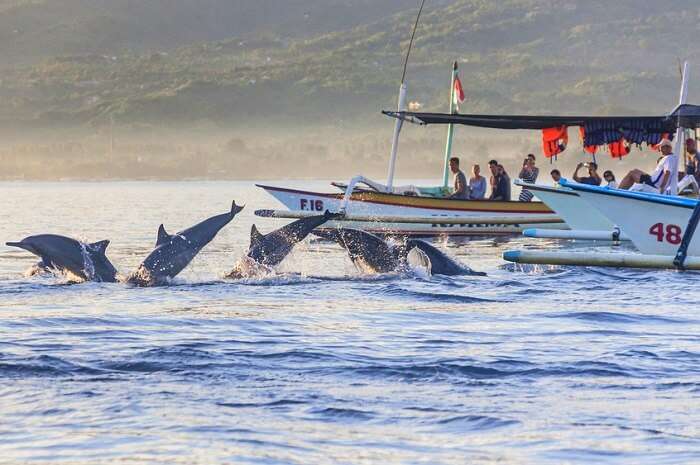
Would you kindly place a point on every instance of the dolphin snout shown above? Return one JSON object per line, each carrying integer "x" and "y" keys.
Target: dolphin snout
{"x": 23, "y": 245}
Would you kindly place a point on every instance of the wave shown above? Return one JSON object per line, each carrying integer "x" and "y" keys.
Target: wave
{"x": 475, "y": 423}
{"x": 43, "y": 366}
{"x": 276, "y": 403}
{"x": 343, "y": 414}
{"x": 433, "y": 372}
{"x": 614, "y": 317}
{"x": 403, "y": 293}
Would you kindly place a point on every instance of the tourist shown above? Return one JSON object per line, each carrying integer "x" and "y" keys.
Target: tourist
{"x": 593, "y": 177}
{"x": 461, "y": 191}
{"x": 528, "y": 174}
{"x": 501, "y": 187}
{"x": 660, "y": 177}
{"x": 477, "y": 184}
{"x": 556, "y": 175}
{"x": 493, "y": 168}
{"x": 609, "y": 179}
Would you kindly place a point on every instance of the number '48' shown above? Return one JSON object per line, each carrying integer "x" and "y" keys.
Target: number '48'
{"x": 671, "y": 233}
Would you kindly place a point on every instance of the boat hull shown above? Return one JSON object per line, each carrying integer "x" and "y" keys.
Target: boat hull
{"x": 574, "y": 210}
{"x": 373, "y": 203}
{"x": 655, "y": 224}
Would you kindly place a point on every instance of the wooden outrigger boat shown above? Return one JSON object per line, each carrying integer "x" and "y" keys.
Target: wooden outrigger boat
{"x": 365, "y": 197}
{"x": 464, "y": 217}
{"x": 661, "y": 225}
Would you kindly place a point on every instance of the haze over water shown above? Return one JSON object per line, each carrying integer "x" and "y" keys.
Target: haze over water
{"x": 323, "y": 365}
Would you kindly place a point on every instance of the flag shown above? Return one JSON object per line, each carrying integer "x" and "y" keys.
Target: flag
{"x": 458, "y": 92}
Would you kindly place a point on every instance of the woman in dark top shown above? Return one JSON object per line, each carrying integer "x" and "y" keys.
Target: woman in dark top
{"x": 501, "y": 189}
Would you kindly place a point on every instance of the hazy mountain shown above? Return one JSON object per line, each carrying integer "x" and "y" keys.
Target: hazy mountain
{"x": 43, "y": 28}
{"x": 515, "y": 55}
{"x": 257, "y": 72}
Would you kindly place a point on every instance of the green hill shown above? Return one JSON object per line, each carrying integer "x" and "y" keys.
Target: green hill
{"x": 31, "y": 29}
{"x": 515, "y": 55}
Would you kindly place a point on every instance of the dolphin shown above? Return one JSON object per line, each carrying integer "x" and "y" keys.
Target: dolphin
{"x": 439, "y": 262}
{"x": 174, "y": 252}
{"x": 267, "y": 251}
{"x": 367, "y": 251}
{"x": 88, "y": 262}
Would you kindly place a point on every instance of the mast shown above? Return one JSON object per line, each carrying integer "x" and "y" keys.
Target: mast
{"x": 401, "y": 107}
{"x": 450, "y": 132}
{"x": 679, "y": 132}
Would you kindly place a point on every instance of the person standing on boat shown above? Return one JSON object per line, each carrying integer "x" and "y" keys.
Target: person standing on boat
{"x": 477, "y": 184}
{"x": 593, "y": 177}
{"x": 528, "y": 174}
{"x": 660, "y": 177}
{"x": 461, "y": 191}
{"x": 500, "y": 189}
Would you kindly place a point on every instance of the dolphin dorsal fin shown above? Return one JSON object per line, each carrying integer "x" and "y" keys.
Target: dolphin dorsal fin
{"x": 100, "y": 246}
{"x": 255, "y": 236}
{"x": 163, "y": 236}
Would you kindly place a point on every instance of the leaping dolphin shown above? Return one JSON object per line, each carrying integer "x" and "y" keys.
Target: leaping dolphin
{"x": 439, "y": 262}
{"x": 267, "y": 251}
{"x": 174, "y": 252}
{"x": 368, "y": 251}
{"x": 87, "y": 262}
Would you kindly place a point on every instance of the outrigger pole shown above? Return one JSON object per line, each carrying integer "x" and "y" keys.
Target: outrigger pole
{"x": 450, "y": 132}
{"x": 401, "y": 106}
{"x": 405, "y": 219}
{"x": 616, "y": 260}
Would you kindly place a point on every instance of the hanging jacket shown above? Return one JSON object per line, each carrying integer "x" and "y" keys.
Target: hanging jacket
{"x": 619, "y": 148}
{"x": 554, "y": 141}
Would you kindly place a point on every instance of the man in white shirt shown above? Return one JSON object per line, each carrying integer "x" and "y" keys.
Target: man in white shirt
{"x": 661, "y": 176}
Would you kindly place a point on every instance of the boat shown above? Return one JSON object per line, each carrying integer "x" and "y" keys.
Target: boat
{"x": 485, "y": 217}
{"x": 586, "y": 223}
{"x": 363, "y": 196}
{"x": 654, "y": 223}
{"x": 661, "y": 225}
{"x": 569, "y": 206}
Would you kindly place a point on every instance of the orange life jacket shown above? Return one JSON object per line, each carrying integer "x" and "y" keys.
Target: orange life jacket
{"x": 619, "y": 149}
{"x": 554, "y": 141}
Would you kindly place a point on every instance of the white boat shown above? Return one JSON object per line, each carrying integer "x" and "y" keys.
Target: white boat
{"x": 654, "y": 223}
{"x": 567, "y": 204}
{"x": 497, "y": 215}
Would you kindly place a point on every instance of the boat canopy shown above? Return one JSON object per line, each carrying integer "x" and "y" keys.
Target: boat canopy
{"x": 687, "y": 116}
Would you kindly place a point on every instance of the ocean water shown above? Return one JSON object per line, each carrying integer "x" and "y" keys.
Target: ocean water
{"x": 323, "y": 365}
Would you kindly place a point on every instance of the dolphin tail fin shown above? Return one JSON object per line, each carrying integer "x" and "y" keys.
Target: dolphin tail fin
{"x": 100, "y": 246}
{"x": 235, "y": 209}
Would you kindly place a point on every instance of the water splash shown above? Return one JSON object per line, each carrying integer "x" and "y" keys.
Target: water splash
{"x": 88, "y": 265}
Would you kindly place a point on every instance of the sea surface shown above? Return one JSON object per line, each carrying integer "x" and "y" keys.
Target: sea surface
{"x": 321, "y": 364}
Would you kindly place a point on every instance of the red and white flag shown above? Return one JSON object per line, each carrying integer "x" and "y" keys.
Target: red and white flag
{"x": 458, "y": 92}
